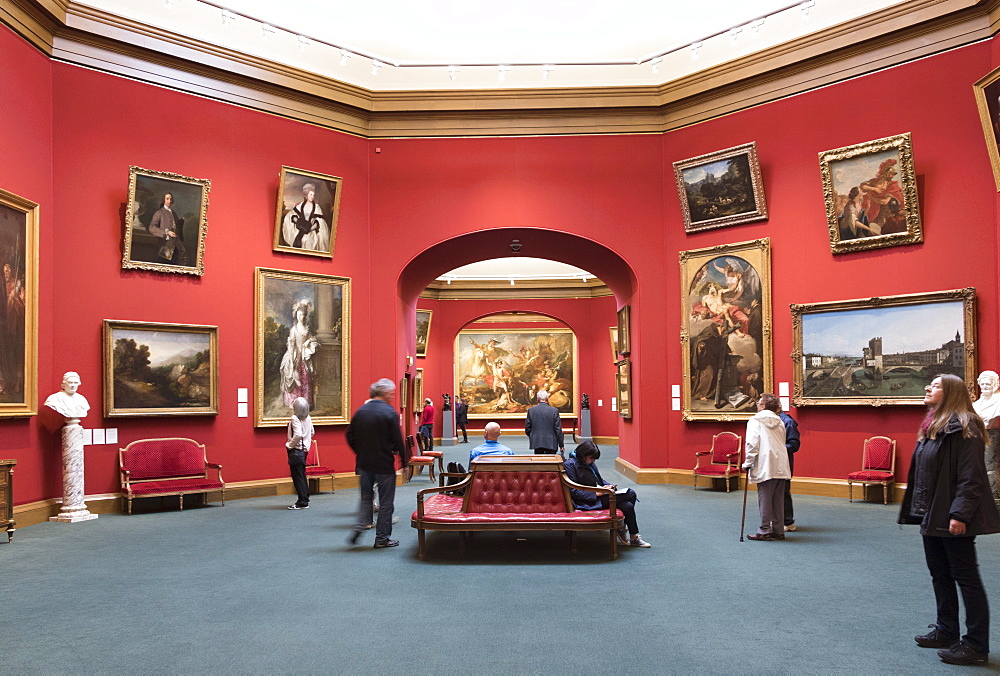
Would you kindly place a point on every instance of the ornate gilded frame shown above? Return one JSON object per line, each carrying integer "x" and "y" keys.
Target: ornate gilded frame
{"x": 920, "y": 324}
{"x": 716, "y": 334}
{"x": 418, "y": 392}
{"x": 141, "y": 249}
{"x": 278, "y": 294}
{"x": 860, "y": 165}
{"x": 422, "y": 344}
{"x": 19, "y": 242}
{"x": 749, "y": 184}
{"x": 624, "y": 342}
{"x": 624, "y": 387}
{"x": 176, "y": 350}
{"x": 987, "y": 92}
{"x": 328, "y": 189}
{"x": 466, "y": 385}
{"x": 614, "y": 343}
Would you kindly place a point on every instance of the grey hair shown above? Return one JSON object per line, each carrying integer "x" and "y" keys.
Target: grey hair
{"x": 381, "y": 387}
{"x": 492, "y": 431}
{"x": 543, "y": 395}
{"x": 301, "y": 408}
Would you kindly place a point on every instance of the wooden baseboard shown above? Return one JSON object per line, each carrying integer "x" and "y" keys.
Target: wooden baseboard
{"x": 830, "y": 488}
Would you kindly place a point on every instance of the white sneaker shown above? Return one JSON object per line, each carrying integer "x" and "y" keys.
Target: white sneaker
{"x": 637, "y": 541}
{"x": 622, "y": 536}
{"x": 790, "y": 527}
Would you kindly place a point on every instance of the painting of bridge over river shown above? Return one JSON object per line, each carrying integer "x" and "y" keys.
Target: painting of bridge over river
{"x": 881, "y": 351}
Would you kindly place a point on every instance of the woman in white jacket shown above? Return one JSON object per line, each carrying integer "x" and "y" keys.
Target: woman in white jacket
{"x": 767, "y": 465}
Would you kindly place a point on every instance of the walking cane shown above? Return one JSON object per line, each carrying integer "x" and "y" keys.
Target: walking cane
{"x": 746, "y": 487}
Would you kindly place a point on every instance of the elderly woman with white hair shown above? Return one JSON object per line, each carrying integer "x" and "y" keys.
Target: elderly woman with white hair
{"x": 300, "y": 433}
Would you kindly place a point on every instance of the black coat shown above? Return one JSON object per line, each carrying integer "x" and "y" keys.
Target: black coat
{"x": 952, "y": 484}
{"x": 581, "y": 473}
{"x": 462, "y": 414}
{"x": 375, "y": 438}
{"x": 544, "y": 427}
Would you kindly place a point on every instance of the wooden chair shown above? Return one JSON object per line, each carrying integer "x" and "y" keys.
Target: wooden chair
{"x": 878, "y": 466}
{"x": 419, "y": 461}
{"x": 314, "y": 470}
{"x": 724, "y": 458}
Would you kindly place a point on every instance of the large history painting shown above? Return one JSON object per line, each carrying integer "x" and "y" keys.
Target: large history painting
{"x": 500, "y": 373}
{"x": 726, "y": 330}
{"x": 153, "y": 369}
{"x": 19, "y": 308}
{"x": 876, "y": 351}
{"x": 303, "y": 346}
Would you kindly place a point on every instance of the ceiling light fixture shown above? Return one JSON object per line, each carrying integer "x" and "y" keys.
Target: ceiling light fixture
{"x": 694, "y": 50}
{"x": 227, "y": 17}
{"x": 344, "y": 56}
{"x": 169, "y": 4}
{"x": 547, "y": 71}
{"x": 452, "y": 74}
{"x": 656, "y": 64}
{"x": 805, "y": 7}
{"x": 303, "y": 42}
{"x": 734, "y": 34}
{"x": 375, "y": 67}
{"x": 755, "y": 26}
{"x": 267, "y": 30}
{"x": 502, "y": 72}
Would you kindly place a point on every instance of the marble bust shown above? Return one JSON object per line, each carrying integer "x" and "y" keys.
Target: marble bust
{"x": 68, "y": 402}
{"x": 988, "y": 404}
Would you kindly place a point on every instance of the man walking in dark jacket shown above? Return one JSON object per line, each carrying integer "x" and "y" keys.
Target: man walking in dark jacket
{"x": 543, "y": 427}
{"x": 375, "y": 438}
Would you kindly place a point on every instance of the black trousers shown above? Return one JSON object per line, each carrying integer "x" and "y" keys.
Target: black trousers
{"x": 297, "y": 465}
{"x": 626, "y": 505}
{"x": 789, "y": 514}
{"x": 465, "y": 435}
{"x": 952, "y": 561}
{"x": 546, "y": 451}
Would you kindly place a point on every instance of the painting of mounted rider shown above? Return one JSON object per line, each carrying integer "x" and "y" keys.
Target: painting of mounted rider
{"x": 501, "y": 372}
{"x": 726, "y": 330}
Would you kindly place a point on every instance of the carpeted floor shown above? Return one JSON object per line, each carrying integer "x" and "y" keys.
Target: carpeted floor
{"x": 254, "y": 588}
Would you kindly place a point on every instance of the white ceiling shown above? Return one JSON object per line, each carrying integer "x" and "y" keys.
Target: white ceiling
{"x": 520, "y": 267}
{"x": 417, "y": 41}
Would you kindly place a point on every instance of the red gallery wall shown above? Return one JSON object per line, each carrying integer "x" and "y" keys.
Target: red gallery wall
{"x": 75, "y": 132}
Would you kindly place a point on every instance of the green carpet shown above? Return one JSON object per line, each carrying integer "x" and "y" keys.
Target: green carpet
{"x": 254, "y": 588}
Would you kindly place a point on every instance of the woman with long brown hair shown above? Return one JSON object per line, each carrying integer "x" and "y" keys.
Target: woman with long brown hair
{"x": 948, "y": 495}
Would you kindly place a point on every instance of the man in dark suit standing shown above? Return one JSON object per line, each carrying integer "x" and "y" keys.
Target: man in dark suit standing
{"x": 375, "y": 438}
{"x": 462, "y": 418}
{"x": 543, "y": 427}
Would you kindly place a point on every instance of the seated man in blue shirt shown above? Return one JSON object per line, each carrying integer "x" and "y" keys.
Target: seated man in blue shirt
{"x": 491, "y": 446}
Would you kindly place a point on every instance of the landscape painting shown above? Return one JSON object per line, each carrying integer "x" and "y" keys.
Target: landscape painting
{"x": 153, "y": 369}
{"x": 501, "y": 373}
{"x": 721, "y": 188}
{"x": 423, "y": 331}
{"x": 882, "y": 350}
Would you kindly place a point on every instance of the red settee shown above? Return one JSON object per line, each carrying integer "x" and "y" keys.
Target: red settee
{"x": 161, "y": 467}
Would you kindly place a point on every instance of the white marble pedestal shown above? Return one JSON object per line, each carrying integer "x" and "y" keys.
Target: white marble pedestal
{"x": 74, "y": 509}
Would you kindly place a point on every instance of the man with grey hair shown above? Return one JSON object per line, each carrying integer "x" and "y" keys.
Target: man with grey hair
{"x": 543, "y": 427}
{"x": 491, "y": 446}
{"x": 375, "y": 438}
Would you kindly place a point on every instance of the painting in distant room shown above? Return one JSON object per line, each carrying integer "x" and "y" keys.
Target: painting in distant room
{"x": 501, "y": 373}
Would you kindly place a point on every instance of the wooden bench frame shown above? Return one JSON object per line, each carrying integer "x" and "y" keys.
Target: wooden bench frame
{"x": 564, "y": 521}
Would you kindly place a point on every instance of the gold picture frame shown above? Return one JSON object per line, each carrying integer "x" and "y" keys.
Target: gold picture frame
{"x": 161, "y": 236}
{"x": 418, "y": 392}
{"x": 624, "y": 336}
{"x": 500, "y": 372}
{"x": 882, "y": 350}
{"x": 308, "y": 209}
{"x": 624, "y": 387}
{"x": 721, "y": 188}
{"x": 303, "y": 346}
{"x": 866, "y": 208}
{"x": 158, "y": 369}
{"x": 987, "y": 92}
{"x": 423, "y": 331}
{"x": 614, "y": 343}
{"x": 725, "y": 330}
{"x": 19, "y": 262}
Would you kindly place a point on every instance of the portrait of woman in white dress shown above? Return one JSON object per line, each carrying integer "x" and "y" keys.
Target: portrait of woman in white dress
{"x": 296, "y": 364}
{"x": 307, "y": 213}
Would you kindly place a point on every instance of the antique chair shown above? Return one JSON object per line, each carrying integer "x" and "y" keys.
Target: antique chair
{"x": 878, "y": 466}
{"x": 316, "y": 471}
{"x": 419, "y": 461}
{"x": 723, "y": 460}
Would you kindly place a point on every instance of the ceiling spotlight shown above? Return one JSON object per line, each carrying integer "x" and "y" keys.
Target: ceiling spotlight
{"x": 169, "y": 4}
{"x": 303, "y": 42}
{"x": 266, "y": 30}
{"x": 453, "y": 72}
{"x": 805, "y": 6}
{"x": 227, "y": 17}
{"x": 344, "y": 56}
{"x": 656, "y": 64}
{"x": 512, "y": 281}
{"x": 734, "y": 34}
{"x": 515, "y": 245}
{"x": 502, "y": 72}
{"x": 694, "y": 50}
{"x": 547, "y": 70}
{"x": 375, "y": 67}
{"x": 755, "y": 26}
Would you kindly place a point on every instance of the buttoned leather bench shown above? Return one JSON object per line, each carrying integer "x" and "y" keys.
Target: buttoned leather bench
{"x": 161, "y": 467}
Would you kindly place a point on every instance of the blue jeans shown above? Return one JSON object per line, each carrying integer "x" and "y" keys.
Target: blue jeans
{"x": 386, "y": 494}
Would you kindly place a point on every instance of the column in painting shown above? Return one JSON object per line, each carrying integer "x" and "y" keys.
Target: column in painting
{"x": 327, "y": 361}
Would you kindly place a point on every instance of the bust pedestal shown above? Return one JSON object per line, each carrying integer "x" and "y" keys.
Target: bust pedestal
{"x": 74, "y": 509}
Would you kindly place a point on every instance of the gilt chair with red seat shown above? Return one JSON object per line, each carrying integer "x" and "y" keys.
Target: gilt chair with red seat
{"x": 878, "y": 466}
{"x": 314, "y": 470}
{"x": 419, "y": 461}
{"x": 722, "y": 461}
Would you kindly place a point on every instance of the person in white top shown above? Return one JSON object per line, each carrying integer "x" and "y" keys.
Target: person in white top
{"x": 300, "y": 433}
{"x": 767, "y": 466}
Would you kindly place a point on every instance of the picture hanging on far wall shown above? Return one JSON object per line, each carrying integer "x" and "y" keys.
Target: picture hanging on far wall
{"x": 153, "y": 369}
{"x": 624, "y": 335}
{"x": 614, "y": 343}
{"x": 988, "y": 101}
{"x": 871, "y": 195}
{"x": 877, "y": 351}
{"x": 501, "y": 372}
{"x": 726, "y": 330}
{"x": 423, "y": 331}
{"x": 165, "y": 222}
{"x": 721, "y": 188}
{"x": 19, "y": 329}
{"x": 624, "y": 387}
{"x": 308, "y": 204}
{"x": 303, "y": 346}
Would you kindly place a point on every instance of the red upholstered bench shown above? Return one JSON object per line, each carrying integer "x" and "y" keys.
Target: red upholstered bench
{"x": 160, "y": 467}
{"x": 512, "y": 493}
